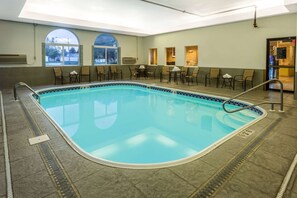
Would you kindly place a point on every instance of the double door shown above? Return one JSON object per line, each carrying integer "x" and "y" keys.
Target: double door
{"x": 280, "y": 62}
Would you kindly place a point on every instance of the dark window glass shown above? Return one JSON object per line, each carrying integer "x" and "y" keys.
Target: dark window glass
{"x": 105, "y": 50}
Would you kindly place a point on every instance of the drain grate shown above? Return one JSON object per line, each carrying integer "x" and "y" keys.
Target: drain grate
{"x": 57, "y": 173}
{"x": 211, "y": 187}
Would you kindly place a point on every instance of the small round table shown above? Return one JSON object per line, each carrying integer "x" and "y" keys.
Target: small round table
{"x": 227, "y": 82}
{"x": 73, "y": 78}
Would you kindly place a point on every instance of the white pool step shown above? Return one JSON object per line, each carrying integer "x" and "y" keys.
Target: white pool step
{"x": 232, "y": 120}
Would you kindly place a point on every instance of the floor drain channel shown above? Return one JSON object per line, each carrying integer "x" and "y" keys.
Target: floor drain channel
{"x": 58, "y": 175}
{"x": 224, "y": 174}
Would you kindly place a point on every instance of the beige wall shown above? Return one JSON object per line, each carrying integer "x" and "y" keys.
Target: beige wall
{"x": 18, "y": 38}
{"x": 234, "y": 45}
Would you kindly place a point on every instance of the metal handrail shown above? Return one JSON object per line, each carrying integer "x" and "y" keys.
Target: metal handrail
{"x": 281, "y": 103}
{"x": 27, "y": 86}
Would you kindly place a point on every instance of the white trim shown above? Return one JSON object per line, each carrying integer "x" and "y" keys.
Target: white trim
{"x": 9, "y": 192}
{"x": 287, "y": 178}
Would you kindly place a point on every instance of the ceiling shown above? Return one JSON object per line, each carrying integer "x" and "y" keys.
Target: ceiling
{"x": 140, "y": 17}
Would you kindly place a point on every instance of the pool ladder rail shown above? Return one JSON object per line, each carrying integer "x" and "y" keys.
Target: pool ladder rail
{"x": 36, "y": 95}
{"x": 281, "y": 102}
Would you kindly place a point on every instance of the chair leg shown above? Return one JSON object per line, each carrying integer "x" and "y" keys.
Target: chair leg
{"x": 217, "y": 82}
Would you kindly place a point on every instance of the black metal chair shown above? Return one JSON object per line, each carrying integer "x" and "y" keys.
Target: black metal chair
{"x": 59, "y": 75}
{"x": 192, "y": 76}
{"x": 214, "y": 73}
{"x": 151, "y": 71}
{"x": 115, "y": 72}
{"x": 164, "y": 72}
{"x": 133, "y": 73}
{"x": 247, "y": 76}
{"x": 101, "y": 73}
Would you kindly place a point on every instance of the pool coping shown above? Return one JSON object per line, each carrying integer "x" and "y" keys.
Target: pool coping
{"x": 262, "y": 114}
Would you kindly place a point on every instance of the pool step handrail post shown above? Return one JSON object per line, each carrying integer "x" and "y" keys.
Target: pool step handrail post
{"x": 27, "y": 86}
{"x": 281, "y": 103}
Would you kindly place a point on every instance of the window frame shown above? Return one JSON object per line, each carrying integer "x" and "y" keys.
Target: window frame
{"x": 63, "y": 46}
{"x": 153, "y": 56}
{"x": 117, "y": 48}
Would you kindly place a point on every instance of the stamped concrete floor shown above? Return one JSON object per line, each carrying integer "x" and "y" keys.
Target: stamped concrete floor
{"x": 254, "y": 166}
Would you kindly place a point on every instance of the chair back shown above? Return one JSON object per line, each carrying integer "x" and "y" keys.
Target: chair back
{"x": 100, "y": 69}
{"x": 131, "y": 70}
{"x": 57, "y": 71}
{"x": 165, "y": 70}
{"x": 248, "y": 73}
{"x": 214, "y": 72}
{"x": 184, "y": 70}
{"x": 195, "y": 72}
{"x": 113, "y": 69}
{"x": 85, "y": 70}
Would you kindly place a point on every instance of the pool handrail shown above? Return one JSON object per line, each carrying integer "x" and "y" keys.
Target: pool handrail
{"x": 27, "y": 86}
{"x": 281, "y": 103}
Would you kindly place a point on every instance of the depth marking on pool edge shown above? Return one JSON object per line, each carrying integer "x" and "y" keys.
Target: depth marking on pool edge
{"x": 55, "y": 170}
{"x": 246, "y": 133}
{"x": 212, "y": 186}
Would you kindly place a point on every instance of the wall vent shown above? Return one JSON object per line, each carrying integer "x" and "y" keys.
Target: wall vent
{"x": 128, "y": 60}
{"x": 13, "y": 59}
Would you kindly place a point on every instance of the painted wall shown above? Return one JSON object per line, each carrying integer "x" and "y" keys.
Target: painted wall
{"x": 234, "y": 45}
{"x": 18, "y": 38}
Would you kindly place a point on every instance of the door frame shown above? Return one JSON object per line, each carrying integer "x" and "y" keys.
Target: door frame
{"x": 267, "y": 60}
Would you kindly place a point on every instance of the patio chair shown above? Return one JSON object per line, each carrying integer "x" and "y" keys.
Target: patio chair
{"x": 58, "y": 75}
{"x": 133, "y": 73}
{"x": 183, "y": 73}
{"x": 101, "y": 74}
{"x": 214, "y": 73}
{"x": 151, "y": 71}
{"x": 247, "y": 76}
{"x": 115, "y": 72}
{"x": 164, "y": 72}
{"x": 85, "y": 72}
{"x": 192, "y": 76}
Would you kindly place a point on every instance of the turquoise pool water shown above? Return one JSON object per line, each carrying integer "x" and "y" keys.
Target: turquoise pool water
{"x": 132, "y": 124}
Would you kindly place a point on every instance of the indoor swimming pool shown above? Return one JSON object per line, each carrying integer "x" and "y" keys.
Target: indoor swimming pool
{"x": 136, "y": 125}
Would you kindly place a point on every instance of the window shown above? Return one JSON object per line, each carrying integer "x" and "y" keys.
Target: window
{"x": 191, "y": 55}
{"x": 153, "y": 56}
{"x": 61, "y": 49}
{"x": 105, "y": 50}
{"x": 170, "y": 56}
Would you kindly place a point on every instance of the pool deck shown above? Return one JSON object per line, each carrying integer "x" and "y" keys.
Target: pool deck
{"x": 244, "y": 166}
